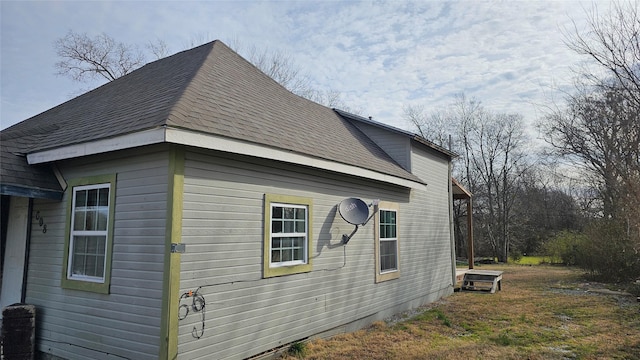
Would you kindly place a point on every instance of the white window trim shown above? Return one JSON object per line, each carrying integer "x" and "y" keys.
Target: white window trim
{"x": 304, "y": 235}
{"x": 73, "y": 233}
{"x": 394, "y": 239}
{"x": 380, "y": 275}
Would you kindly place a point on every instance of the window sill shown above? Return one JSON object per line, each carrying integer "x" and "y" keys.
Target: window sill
{"x": 286, "y": 270}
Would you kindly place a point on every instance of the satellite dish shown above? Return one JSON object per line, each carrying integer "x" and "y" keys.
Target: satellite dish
{"x": 354, "y": 211}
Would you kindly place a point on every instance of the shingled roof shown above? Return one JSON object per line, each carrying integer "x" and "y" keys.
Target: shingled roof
{"x": 208, "y": 90}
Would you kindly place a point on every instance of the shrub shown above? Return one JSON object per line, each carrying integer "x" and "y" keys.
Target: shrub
{"x": 516, "y": 256}
{"x": 606, "y": 250}
{"x": 298, "y": 349}
{"x": 565, "y": 248}
{"x": 609, "y": 251}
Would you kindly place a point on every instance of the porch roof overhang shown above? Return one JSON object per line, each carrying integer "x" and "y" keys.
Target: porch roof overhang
{"x": 29, "y": 192}
{"x": 459, "y": 191}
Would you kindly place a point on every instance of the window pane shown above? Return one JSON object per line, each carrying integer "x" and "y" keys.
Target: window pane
{"x": 90, "y": 265}
{"x": 300, "y": 214}
{"x": 78, "y": 220}
{"x": 276, "y": 226}
{"x": 99, "y": 266}
{"x": 289, "y": 226}
{"x": 275, "y": 256}
{"x": 77, "y": 267}
{"x": 81, "y": 198}
{"x": 388, "y": 255}
{"x": 103, "y": 216}
{"x": 276, "y": 213}
{"x": 387, "y": 224}
{"x": 103, "y": 197}
{"x": 89, "y": 223}
{"x": 286, "y": 255}
{"x": 102, "y": 245}
{"x": 92, "y": 197}
{"x": 79, "y": 244}
{"x": 88, "y": 256}
{"x": 288, "y": 213}
{"x": 288, "y": 249}
{"x": 300, "y": 227}
{"x": 92, "y": 245}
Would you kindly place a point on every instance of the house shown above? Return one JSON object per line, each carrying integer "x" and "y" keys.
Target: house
{"x": 190, "y": 210}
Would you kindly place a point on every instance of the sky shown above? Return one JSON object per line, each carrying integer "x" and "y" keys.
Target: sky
{"x": 379, "y": 55}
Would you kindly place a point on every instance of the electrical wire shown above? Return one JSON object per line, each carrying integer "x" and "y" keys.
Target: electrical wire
{"x": 344, "y": 262}
{"x": 198, "y": 305}
{"x": 83, "y": 347}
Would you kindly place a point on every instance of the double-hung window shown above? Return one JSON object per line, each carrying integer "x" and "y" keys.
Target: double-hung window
{"x": 387, "y": 242}
{"x": 287, "y": 235}
{"x": 90, "y": 227}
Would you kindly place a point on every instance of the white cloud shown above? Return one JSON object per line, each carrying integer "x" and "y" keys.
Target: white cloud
{"x": 380, "y": 55}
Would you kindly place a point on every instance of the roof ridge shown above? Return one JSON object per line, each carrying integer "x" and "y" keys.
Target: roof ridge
{"x": 173, "y": 109}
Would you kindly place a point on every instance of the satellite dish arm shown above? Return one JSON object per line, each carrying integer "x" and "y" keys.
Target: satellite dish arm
{"x": 346, "y": 238}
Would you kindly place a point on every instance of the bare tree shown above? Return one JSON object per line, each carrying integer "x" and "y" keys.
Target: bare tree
{"x": 280, "y": 66}
{"x": 435, "y": 126}
{"x": 158, "y": 48}
{"x": 492, "y": 158}
{"x": 498, "y": 159}
{"x": 600, "y": 130}
{"x": 86, "y": 58}
{"x": 613, "y": 44}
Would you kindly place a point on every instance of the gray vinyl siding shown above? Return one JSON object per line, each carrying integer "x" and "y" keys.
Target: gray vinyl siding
{"x": 433, "y": 207}
{"x": 125, "y": 323}
{"x": 223, "y": 233}
{"x": 398, "y": 146}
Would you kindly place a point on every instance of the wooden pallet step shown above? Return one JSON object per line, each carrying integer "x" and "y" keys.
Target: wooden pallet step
{"x": 474, "y": 277}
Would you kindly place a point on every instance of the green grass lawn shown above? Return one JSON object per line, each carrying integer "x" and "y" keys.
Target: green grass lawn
{"x": 531, "y": 260}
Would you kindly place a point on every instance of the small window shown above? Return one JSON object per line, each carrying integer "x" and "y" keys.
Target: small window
{"x": 287, "y": 235}
{"x": 388, "y": 241}
{"x": 90, "y": 227}
{"x": 387, "y": 246}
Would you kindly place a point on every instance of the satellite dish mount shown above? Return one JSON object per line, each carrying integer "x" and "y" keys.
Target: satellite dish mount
{"x": 355, "y": 212}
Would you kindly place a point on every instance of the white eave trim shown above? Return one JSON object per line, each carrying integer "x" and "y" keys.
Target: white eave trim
{"x": 212, "y": 142}
{"x": 147, "y": 137}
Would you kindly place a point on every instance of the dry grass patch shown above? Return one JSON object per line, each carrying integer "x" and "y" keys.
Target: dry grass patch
{"x": 543, "y": 312}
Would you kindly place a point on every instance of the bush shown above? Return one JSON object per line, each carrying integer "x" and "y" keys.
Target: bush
{"x": 298, "y": 349}
{"x": 516, "y": 256}
{"x": 606, "y": 250}
{"x": 565, "y": 248}
{"x": 609, "y": 252}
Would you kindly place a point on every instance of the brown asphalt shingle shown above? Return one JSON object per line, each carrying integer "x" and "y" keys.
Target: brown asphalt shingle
{"x": 209, "y": 89}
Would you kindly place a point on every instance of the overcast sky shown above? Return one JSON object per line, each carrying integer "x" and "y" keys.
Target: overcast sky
{"x": 380, "y": 55}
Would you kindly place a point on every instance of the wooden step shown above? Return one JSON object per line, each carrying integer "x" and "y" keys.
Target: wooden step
{"x": 482, "y": 280}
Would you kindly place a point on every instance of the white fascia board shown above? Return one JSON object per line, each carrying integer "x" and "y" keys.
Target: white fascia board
{"x": 147, "y": 137}
{"x": 213, "y": 142}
